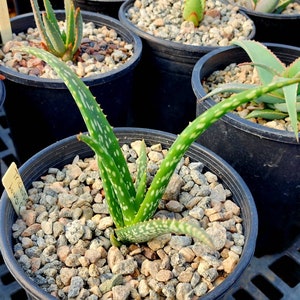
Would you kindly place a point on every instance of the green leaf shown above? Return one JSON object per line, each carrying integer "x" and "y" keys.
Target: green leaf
{"x": 109, "y": 170}
{"x": 141, "y": 178}
{"x": 145, "y": 231}
{"x": 266, "y": 6}
{"x": 193, "y": 11}
{"x": 283, "y": 107}
{"x": 239, "y": 87}
{"x": 51, "y": 15}
{"x": 70, "y": 22}
{"x": 261, "y": 55}
{"x": 56, "y": 44}
{"x": 78, "y": 31}
{"x": 281, "y": 6}
{"x": 290, "y": 94}
{"x": 268, "y": 114}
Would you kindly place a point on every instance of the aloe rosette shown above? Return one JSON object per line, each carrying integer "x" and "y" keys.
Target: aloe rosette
{"x": 132, "y": 205}
{"x": 63, "y": 43}
{"x": 279, "y": 103}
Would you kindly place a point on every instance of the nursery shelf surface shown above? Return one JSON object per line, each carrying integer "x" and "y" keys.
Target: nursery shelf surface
{"x": 271, "y": 277}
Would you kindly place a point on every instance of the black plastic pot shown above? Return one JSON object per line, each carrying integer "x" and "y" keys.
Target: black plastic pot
{"x": 41, "y": 111}
{"x": 167, "y": 101}
{"x": 267, "y": 159}
{"x": 106, "y": 7}
{"x": 23, "y": 6}
{"x": 275, "y": 28}
{"x": 2, "y": 93}
{"x": 64, "y": 151}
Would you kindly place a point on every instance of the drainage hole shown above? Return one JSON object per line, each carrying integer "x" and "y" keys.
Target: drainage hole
{"x": 267, "y": 288}
{"x": 287, "y": 269}
{"x": 7, "y": 279}
{"x": 242, "y": 295}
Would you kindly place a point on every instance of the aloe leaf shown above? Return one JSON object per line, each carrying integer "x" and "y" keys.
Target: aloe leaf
{"x": 70, "y": 22}
{"x": 290, "y": 93}
{"x": 283, "y": 107}
{"x": 108, "y": 167}
{"x": 293, "y": 70}
{"x": 282, "y": 5}
{"x": 56, "y": 45}
{"x": 261, "y": 55}
{"x": 266, "y": 6}
{"x": 228, "y": 87}
{"x": 268, "y": 114}
{"x": 38, "y": 21}
{"x": 239, "y": 87}
{"x": 141, "y": 178}
{"x": 78, "y": 31}
{"x": 145, "y": 231}
{"x": 193, "y": 11}
{"x": 114, "y": 208}
{"x": 50, "y": 14}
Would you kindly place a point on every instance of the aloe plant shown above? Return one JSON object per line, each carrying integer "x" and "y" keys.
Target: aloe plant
{"x": 63, "y": 43}
{"x": 132, "y": 205}
{"x": 268, "y": 6}
{"x": 279, "y": 103}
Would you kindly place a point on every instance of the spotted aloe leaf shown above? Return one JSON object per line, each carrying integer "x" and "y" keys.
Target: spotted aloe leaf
{"x": 193, "y": 11}
{"x": 131, "y": 221}
{"x": 141, "y": 177}
{"x": 153, "y": 228}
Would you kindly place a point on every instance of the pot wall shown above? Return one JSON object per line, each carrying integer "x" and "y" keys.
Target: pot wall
{"x": 106, "y": 7}
{"x": 34, "y": 104}
{"x": 24, "y": 6}
{"x": 63, "y": 152}
{"x": 267, "y": 159}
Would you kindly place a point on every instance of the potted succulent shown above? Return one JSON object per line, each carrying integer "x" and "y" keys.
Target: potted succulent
{"x": 264, "y": 156}
{"x": 173, "y": 41}
{"x": 108, "y": 67}
{"x": 132, "y": 202}
{"x": 273, "y": 19}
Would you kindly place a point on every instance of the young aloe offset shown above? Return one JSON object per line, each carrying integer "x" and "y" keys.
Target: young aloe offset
{"x": 61, "y": 43}
{"x": 193, "y": 10}
{"x": 279, "y": 103}
{"x": 132, "y": 207}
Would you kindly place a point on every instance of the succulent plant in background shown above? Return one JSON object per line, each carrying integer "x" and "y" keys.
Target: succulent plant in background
{"x": 267, "y": 6}
{"x": 63, "y": 43}
{"x": 279, "y": 103}
{"x": 133, "y": 204}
